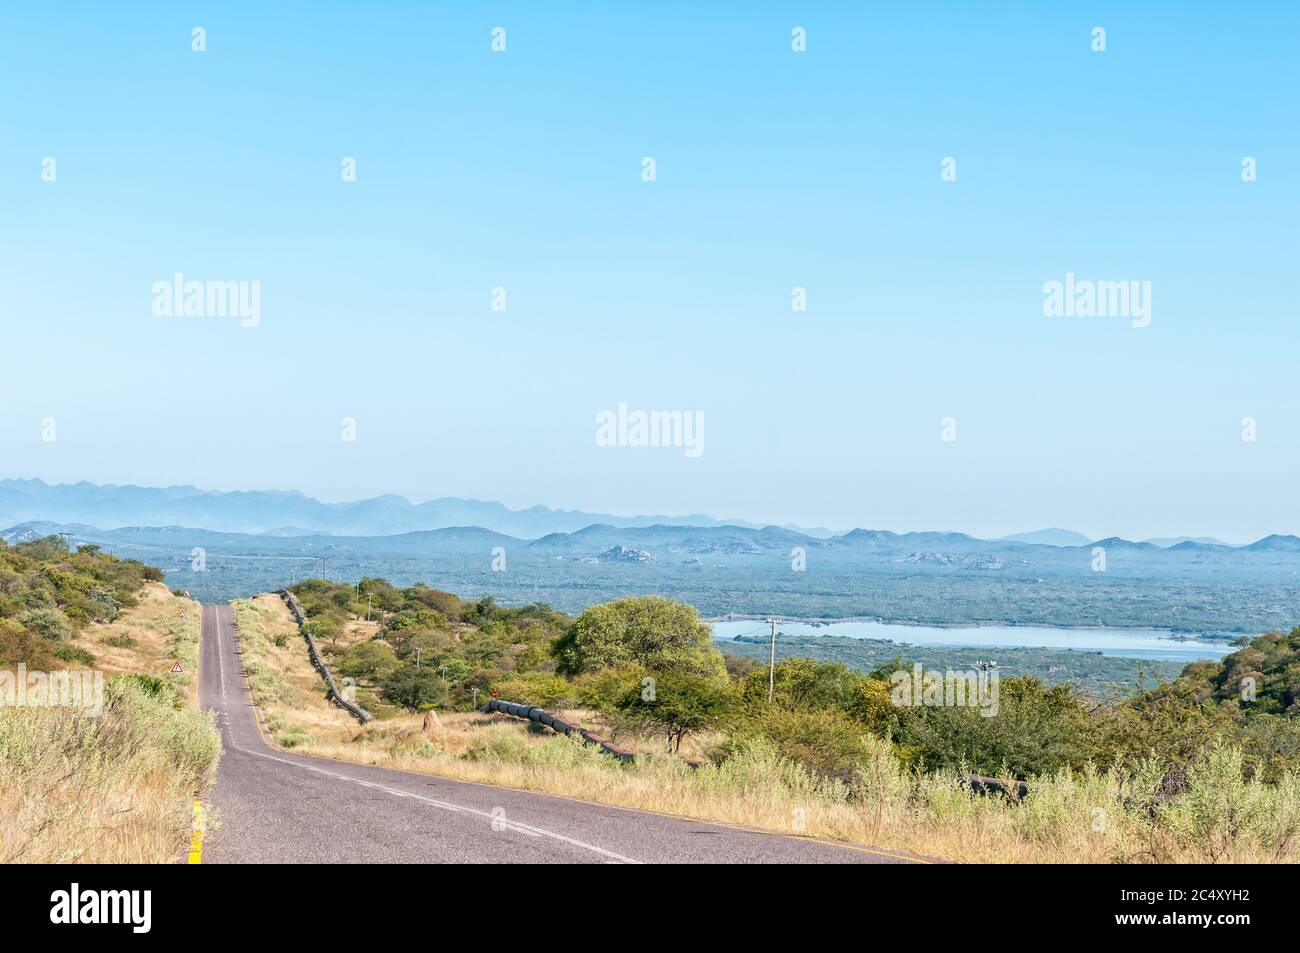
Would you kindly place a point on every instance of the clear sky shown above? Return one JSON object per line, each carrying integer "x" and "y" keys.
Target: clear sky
{"x": 774, "y": 169}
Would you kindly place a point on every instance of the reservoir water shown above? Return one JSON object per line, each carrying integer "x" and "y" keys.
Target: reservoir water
{"x": 1128, "y": 643}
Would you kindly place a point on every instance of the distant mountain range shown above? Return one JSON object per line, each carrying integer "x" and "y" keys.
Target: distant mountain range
{"x": 1068, "y": 537}
{"x": 1049, "y": 537}
{"x": 604, "y": 543}
{"x": 930, "y": 578}
{"x": 290, "y": 514}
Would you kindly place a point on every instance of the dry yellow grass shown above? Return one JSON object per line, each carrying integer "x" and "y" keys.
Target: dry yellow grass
{"x": 119, "y": 786}
{"x": 1085, "y": 818}
{"x": 284, "y": 684}
{"x": 116, "y": 788}
{"x": 149, "y": 639}
{"x": 358, "y": 630}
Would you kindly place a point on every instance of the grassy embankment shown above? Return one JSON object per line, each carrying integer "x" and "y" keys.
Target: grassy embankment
{"x": 283, "y": 682}
{"x": 117, "y": 787}
{"x": 150, "y": 639}
{"x": 1086, "y": 816}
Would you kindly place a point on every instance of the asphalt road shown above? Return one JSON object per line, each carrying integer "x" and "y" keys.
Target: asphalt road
{"x": 280, "y": 807}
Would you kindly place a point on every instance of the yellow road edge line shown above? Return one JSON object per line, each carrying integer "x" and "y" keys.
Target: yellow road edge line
{"x": 196, "y": 839}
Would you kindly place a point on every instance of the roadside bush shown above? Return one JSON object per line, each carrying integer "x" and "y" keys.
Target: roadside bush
{"x": 510, "y": 747}
{"x": 155, "y": 688}
{"x": 536, "y": 688}
{"x": 1035, "y": 729}
{"x": 824, "y": 742}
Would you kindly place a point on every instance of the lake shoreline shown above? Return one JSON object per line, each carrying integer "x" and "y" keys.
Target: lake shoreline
{"x": 1178, "y": 635}
{"x": 1111, "y": 641}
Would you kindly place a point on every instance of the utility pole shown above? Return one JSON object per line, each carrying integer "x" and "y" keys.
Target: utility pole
{"x": 984, "y": 668}
{"x": 370, "y": 600}
{"x": 771, "y": 663}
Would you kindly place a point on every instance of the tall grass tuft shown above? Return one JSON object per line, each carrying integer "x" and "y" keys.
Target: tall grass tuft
{"x": 117, "y": 788}
{"x": 1141, "y": 813}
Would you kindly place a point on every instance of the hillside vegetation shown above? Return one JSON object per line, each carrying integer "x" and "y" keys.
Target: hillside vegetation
{"x": 49, "y": 595}
{"x": 113, "y": 781}
{"x": 284, "y": 684}
{"x": 1190, "y": 770}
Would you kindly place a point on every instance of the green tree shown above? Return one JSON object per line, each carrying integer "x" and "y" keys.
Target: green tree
{"x": 656, "y": 633}
{"x": 1033, "y": 730}
{"x": 416, "y": 688}
{"x": 671, "y": 703}
{"x": 801, "y": 683}
{"x": 374, "y": 660}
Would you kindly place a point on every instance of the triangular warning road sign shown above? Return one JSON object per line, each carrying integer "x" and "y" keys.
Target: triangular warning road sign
{"x": 176, "y": 669}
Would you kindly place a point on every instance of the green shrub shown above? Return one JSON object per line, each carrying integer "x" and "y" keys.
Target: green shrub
{"x": 1036, "y": 729}
{"x": 374, "y": 660}
{"x": 48, "y": 623}
{"x": 293, "y": 736}
{"x": 536, "y": 688}
{"x": 156, "y": 688}
{"x": 75, "y": 654}
{"x": 826, "y": 743}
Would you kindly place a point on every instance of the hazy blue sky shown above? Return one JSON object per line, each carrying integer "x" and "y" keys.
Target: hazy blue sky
{"x": 775, "y": 169}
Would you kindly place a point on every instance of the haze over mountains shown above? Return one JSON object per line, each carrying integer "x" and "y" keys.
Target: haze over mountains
{"x": 292, "y": 514}
{"x": 223, "y": 545}
{"x": 930, "y": 578}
